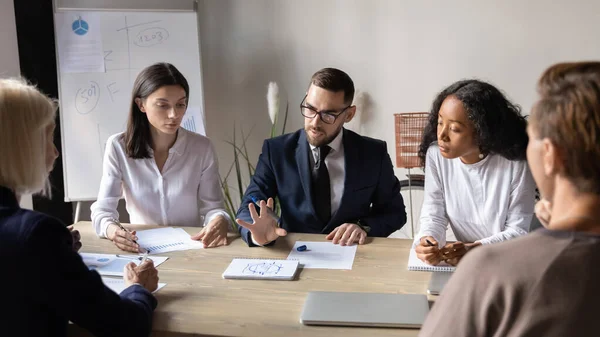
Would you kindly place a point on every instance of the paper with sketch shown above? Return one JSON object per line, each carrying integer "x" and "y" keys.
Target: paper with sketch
{"x": 324, "y": 255}
{"x": 118, "y": 285}
{"x": 112, "y": 265}
{"x": 193, "y": 121}
{"x": 169, "y": 239}
{"x": 79, "y": 42}
{"x": 256, "y": 269}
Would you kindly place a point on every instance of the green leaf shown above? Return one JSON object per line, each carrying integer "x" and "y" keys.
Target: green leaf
{"x": 287, "y": 105}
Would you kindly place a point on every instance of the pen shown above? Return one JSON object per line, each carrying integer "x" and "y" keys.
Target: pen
{"x": 121, "y": 227}
{"x": 145, "y": 257}
{"x": 429, "y": 242}
{"x": 269, "y": 211}
{"x": 139, "y": 258}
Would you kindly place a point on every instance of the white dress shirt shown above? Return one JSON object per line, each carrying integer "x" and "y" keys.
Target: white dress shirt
{"x": 186, "y": 193}
{"x": 336, "y": 167}
{"x": 489, "y": 201}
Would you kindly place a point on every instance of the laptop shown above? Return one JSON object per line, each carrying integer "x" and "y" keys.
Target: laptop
{"x": 437, "y": 282}
{"x": 364, "y": 309}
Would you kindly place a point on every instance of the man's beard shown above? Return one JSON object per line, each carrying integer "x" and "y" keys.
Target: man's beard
{"x": 325, "y": 140}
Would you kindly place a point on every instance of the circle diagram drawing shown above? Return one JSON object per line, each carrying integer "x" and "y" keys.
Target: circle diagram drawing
{"x": 80, "y": 27}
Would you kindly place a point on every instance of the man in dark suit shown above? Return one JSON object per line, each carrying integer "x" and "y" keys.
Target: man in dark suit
{"x": 328, "y": 179}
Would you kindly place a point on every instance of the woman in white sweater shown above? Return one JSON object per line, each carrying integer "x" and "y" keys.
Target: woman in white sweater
{"x": 168, "y": 175}
{"x": 476, "y": 175}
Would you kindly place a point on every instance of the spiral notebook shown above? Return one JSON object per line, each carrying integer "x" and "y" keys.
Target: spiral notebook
{"x": 261, "y": 269}
{"x": 415, "y": 264}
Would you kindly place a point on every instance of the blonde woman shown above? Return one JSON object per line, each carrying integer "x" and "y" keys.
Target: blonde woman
{"x": 169, "y": 176}
{"x": 45, "y": 282}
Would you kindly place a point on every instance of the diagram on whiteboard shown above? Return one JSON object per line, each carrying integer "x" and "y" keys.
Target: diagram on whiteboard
{"x": 95, "y": 104}
{"x": 80, "y": 27}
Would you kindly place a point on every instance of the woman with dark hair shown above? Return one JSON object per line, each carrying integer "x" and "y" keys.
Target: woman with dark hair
{"x": 546, "y": 283}
{"x": 476, "y": 174}
{"x": 168, "y": 175}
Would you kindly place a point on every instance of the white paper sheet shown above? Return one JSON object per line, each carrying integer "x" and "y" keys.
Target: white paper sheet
{"x": 112, "y": 265}
{"x": 257, "y": 269}
{"x": 323, "y": 255}
{"x": 79, "y": 42}
{"x": 193, "y": 121}
{"x": 169, "y": 239}
{"x": 118, "y": 285}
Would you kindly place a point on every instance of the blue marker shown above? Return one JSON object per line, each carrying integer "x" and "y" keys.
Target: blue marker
{"x": 301, "y": 248}
{"x": 269, "y": 211}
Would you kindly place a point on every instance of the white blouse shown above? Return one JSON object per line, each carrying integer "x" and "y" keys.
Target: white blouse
{"x": 489, "y": 201}
{"x": 186, "y": 193}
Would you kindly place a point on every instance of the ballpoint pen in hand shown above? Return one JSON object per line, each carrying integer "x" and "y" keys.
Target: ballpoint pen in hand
{"x": 145, "y": 257}
{"x": 269, "y": 210}
{"x": 138, "y": 258}
{"x": 116, "y": 222}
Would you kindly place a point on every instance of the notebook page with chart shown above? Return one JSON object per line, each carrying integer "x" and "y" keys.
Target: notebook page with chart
{"x": 113, "y": 265}
{"x": 417, "y": 265}
{"x": 261, "y": 269}
{"x": 162, "y": 240}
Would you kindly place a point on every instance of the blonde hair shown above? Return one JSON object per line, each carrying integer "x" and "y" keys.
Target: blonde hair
{"x": 25, "y": 113}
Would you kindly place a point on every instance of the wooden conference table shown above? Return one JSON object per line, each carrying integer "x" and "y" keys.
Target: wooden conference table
{"x": 197, "y": 301}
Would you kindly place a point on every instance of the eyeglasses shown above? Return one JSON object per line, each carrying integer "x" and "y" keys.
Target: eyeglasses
{"x": 328, "y": 117}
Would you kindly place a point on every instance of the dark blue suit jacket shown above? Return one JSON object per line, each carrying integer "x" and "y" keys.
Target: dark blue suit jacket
{"x": 45, "y": 284}
{"x": 371, "y": 190}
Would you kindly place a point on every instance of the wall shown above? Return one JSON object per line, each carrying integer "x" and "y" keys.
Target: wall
{"x": 400, "y": 52}
{"x": 9, "y": 56}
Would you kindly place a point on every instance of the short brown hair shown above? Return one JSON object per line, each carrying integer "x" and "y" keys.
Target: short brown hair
{"x": 568, "y": 113}
{"x": 335, "y": 80}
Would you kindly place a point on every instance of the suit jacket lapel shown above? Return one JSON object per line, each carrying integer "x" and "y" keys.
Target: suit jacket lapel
{"x": 351, "y": 179}
{"x": 302, "y": 152}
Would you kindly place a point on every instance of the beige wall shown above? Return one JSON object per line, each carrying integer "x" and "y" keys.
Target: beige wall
{"x": 9, "y": 56}
{"x": 9, "y": 53}
{"x": 400, "y": 52}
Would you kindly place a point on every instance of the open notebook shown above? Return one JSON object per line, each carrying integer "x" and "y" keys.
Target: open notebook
{"x": 261, "y": 269}
{"x": 415, "y": 264}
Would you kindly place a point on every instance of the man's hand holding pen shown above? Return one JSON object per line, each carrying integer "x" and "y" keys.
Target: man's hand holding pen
{"x": 145, "y": 274}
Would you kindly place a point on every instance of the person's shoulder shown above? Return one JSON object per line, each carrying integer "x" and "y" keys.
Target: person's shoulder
{"x": 286, "y": 141}
{"x": 292, "y": 136}
{"x": 117, "y": 138}
{"x": 505, "y": 258}
{"x": 117, "y": 141}
{"x": 517, "y": 164}
{"x": 433, "y": 156}
{"x": 433, "y": 151}
{"x": 365, "y": 140}
{"x": 24, "y": 224}
{"x": 196, "y": 140}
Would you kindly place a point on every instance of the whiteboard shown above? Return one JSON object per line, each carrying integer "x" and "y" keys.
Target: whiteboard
{"x": 95, "y": 105}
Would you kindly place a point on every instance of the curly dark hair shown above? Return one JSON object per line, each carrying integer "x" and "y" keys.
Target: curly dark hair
{"x": 499, "y": 126}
